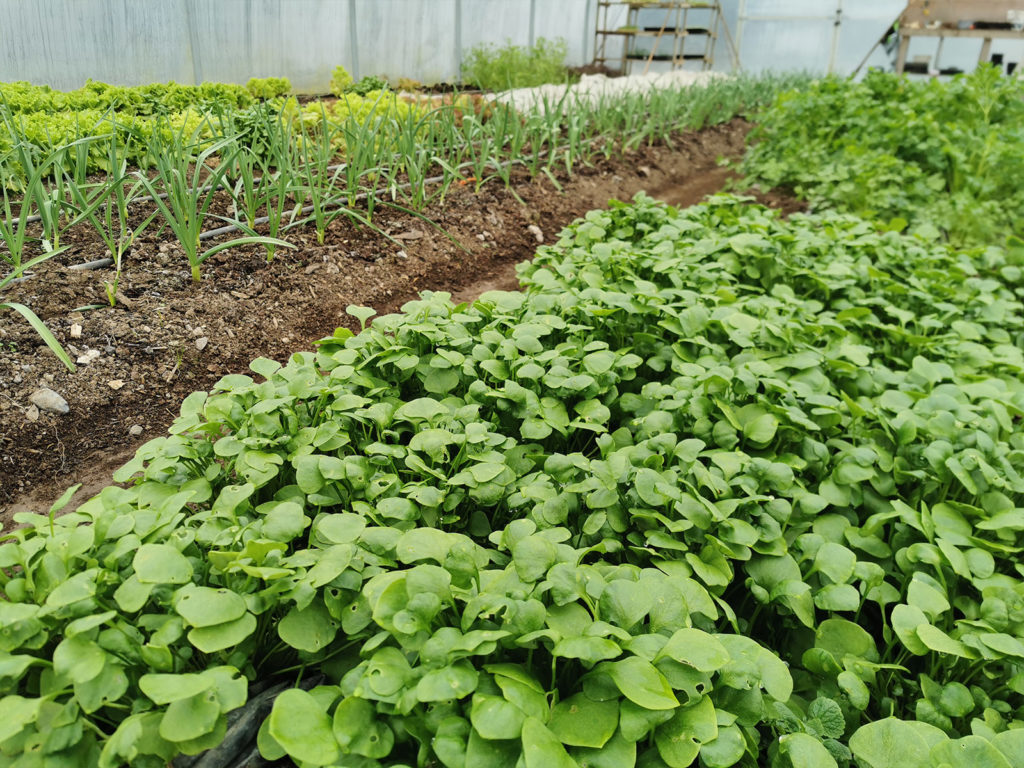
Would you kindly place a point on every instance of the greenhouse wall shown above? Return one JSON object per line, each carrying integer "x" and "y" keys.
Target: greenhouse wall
{"x": 64, "y": 42}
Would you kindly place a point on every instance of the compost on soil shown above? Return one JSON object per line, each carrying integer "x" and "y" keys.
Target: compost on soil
{"x": 168, "y": 336}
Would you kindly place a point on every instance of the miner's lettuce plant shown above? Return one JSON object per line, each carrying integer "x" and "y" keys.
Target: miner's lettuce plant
{"x": 716, "y": 488}
{"x": 942, "y": 154}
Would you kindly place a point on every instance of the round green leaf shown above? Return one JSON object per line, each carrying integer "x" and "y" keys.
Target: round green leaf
{"x": 855, "y": 689}
{"x": 625, "y": 603}
{"x": 1011, "y": 744}
{"x": 582, "y": 722}
{"x": 905, "y": 621}
{"x": 835, "y": 561}
{"x": 956, "y": 700}
{"x": 299, "y": 725}
{"x": 618, "y": 752}
{"x": 340, "y": 527}
{"x": 588, "y": 649}
{"x": 452, "y": 682}
{"x": 837, "y": 597}
{"x": 842, "y": 638}
{"x": 78, "y": 659}
{"x": 937, "y": 640}
{"x": 495, "y": 718}
{"x": 541, "y": 749}
{"x": 207, "y": 607}
{"x": 358, "y": 732}
{"x": 726, "y": 749}
{"x": 163, "y": 689}
{"x": 191, "y": 717}
{"x": 680, "y": 739}
{"x": 309, "y": 629}
{"x": 222, "y": 636}
{"x": 109, "y": 685}
{"x": 640, "y": 682}
{"x": 805, "y": 751}
{"x": 424, "y": 544}
{"x": 890, "y": 743}
{"x": 968, "y": 752}
{"x": 284, "y": 522}
{"x": 15, "y": 713}
{"x": 161, "y": 564}
{"x": 696, "y": 648}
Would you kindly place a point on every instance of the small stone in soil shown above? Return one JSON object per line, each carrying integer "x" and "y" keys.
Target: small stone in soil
{"x": 76, "y": 331}
{"x": 115, "y": 383}
{"x": 47, "y": 400}
{"x": 135, "y": 430}
{"x": 32, "y": 413}
{"x": 88, "y": 357}
{"x": 201, "y": 343}
{"x": 534, "y": 230}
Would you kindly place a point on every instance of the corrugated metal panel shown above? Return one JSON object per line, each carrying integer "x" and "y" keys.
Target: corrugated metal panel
{"x": 64, "y": 42}
{"x": 407, "y": 38}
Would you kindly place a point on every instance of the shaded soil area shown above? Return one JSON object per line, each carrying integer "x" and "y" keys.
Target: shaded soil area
{"x": 168, "y": 336}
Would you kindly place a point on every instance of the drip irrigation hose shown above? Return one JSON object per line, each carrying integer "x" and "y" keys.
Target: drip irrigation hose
{"x": 98, "y": 264}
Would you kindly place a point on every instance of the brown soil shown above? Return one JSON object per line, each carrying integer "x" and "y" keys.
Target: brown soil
{"x": 168, "y": 336}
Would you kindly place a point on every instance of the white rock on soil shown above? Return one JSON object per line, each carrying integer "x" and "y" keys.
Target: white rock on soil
{"x": 76, "y": 331}
{"x": 534, "y": 230}
{"x": 201, "y": 343}
{"x": 135, "y": 430}
{"x": 88, "y": 357}
{"x": 48, "y": 400}
{"x": 32, "y": 413}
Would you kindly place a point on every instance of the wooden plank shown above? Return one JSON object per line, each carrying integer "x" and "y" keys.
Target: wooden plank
{"x": 949, "y": 12}
{"x": 978, "y": 34}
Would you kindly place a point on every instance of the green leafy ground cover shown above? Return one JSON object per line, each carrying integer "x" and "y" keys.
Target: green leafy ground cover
{"x": 717, "y": 488}
{"x": 498, "y": 68}
{"x": 948, "y": 155}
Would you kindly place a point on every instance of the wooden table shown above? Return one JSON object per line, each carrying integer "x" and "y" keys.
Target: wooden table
{"x": 985, "y": 35}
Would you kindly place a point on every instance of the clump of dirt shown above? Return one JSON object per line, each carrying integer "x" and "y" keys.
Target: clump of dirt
{"x": 168, "y": 336}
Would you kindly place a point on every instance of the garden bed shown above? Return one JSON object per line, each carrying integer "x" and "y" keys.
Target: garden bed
{"x": 168, "y": 336}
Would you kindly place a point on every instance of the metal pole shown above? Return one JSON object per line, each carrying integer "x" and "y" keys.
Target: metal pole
{"x": 586, "y": 33}
{"x": 353, "y": 38}
{"x": 458, "y": 38}
{"x": 734, "y": 52}
{"x": 741, "y": 20}
{"x": 533, "y": 21}
{"x": 194, "y": 48}
{"x": 835, "y": 37}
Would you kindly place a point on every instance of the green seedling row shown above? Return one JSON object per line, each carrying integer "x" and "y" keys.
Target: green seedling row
{"x": 280, "y": 164}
